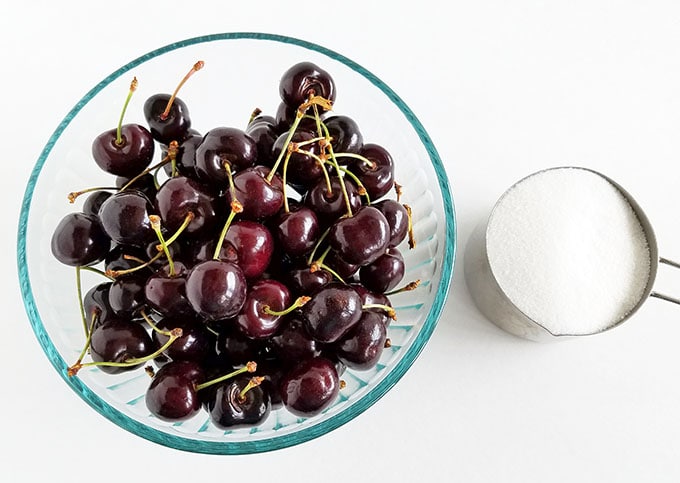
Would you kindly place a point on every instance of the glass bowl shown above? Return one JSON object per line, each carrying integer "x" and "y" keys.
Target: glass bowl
{"x": 241, "y": 72}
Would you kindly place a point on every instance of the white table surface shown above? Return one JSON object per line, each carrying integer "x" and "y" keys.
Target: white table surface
{"x": 504, "y": 89}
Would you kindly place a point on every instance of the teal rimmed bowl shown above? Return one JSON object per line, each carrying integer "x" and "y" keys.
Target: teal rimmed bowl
{"x": 241, "y": 72}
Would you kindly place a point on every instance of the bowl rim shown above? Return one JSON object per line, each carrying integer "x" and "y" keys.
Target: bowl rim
{"x": 278, "y": 442}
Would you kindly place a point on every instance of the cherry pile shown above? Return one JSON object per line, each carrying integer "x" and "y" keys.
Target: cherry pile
{"x": 247, "y": 269}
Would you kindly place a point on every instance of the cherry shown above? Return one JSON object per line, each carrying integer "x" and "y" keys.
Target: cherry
{"x": 96, "y": 304}
{"x": 362, "y": 238}
{"x": 224, "y": 150}
{"x": 362, "y": 346}
{"x": 146, "y": 183}
{"x": 310, "y": 387}
{"x": 292, "y": 342}
{"x": 239, "y": 403}
{"x": 262, "y": 130}
{"x": 167, "y": 115}
{"x": 166, "y": 293}
{"x": 384, "y": 273}
{"x": 259, "y": 196}
{"x": 179, "y": 196}
{"x": 234, "y": 347}
{"x": 345, "y": 134}
{"x": 126, "y": 150}
{"x": 331, "y": 206}
{"x": 377, "y": 175}
{"x": 258, "y": 318}
{"x": 332, "y": 311}
{"x": 94, "y": 201}
{"x": 254, "y": 245}
{"x": 125, "y": 217}
{"x": 397, "y": 216}
{"x": 216, "y": 289}
{"x": 297, "y": 230}
{"x": 80, "y": 240}
{"x": 304, "y": 79}
{"x": 123, "y": 258}
{"x": 126, "y": 295}
{"x": 185, "y": 158}
{"x": 172, "y": 394}
{"x": 196, "y": 343}
{"x": 118, "y": 341}
{"x": 304, "y": 167}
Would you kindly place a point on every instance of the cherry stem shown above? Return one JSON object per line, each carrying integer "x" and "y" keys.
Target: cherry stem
{"x": 152, "y": 324}
{"x": 411, "y": 236}
{"x": 133, "y": 88}
{"x": 320, "y": 265}
{"x": 299, "y": 302}
{"x": 256, "y": 112}
{"x": 197, "y": 66}
{"x": 254, "y": 382}
{"x": 175, "y": 334}
{"x": 391, "y": 313}
{"x": 286, "y": 207}
{"x": 342, "y": 180}
{"x": 322, "y": 163}
{"x": 79, "y": 290}
{"x": 360, "y": 186}
{"x": 397, "y": 190}
{"x": 172, "y": 152}
{"x": 220, "y": 241}
{"x": 88, "y": 341}
{"x": 406, "y": 288}
{"x": 318, "y": 244}
{"x": 117, "y": 273}
{"x": 249, "y": 367}
{"x": 371, "y": 164}
{"x": 75, "y": 194}
{"x": 187, "y": 219}
{"x": 156, "y": 226}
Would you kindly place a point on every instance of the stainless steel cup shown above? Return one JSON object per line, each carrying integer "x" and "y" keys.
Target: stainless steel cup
{"x": 495, "y": 304}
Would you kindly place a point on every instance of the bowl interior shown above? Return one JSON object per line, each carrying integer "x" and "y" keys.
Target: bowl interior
{"x": 241, "y": 73}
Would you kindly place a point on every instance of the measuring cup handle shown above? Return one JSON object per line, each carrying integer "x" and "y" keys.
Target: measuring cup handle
{"x": 661, "y": 296}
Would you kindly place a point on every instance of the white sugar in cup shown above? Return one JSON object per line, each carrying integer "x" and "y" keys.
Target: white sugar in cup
{"x": 565, "y": 252}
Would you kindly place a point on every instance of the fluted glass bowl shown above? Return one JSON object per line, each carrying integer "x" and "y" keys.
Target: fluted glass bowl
{"x": 241, "y": 72}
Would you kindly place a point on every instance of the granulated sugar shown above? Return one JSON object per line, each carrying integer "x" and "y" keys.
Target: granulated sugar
{"x": 568, "y": 250}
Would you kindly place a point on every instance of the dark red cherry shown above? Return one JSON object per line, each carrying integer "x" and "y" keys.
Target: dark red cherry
{"x": 174, "y": 127}
{"x": 196, "y": 343}
{"x": 145, "y": 183}
{"x": 303, "y": 170}
{"x": 80, "y": 240}
{"x": 376, "y": 176}
{"x": 94, "y": 201}
{"x": 397, "y": 217}
{"x": 303, "y": 281}
{"x": 172, "y": 394}
{"x": 259, "y": 197}
{"x": 362, "y": 238}
{"x": 129, "y": 157}
{"x": 119, "y": 340}
{"x": 332, "y": 311}
{"x": 96, "y": 304}
{"x": 303, "y": 79}
{"x": 384, "y": 273}
{"x": 254, "y": 245}
{"x": 297, "y": 230}
{"x": 230, "y": 408}
{"x": 185, "y": 159}
{"x": 126, "y": 295}
{"x": 345, "y": 134}
{"x": 362, "y": 346}
{"x": 310, "y": 387}
{"x": 216, "y": 289}
{"x": 125, "y": 217}
{"x": 331, "y": 206}
{"x": 180, "y": 195}
{"x": 254, "y": 320}
{"x": 223, "y": 149}
{"x": 263, "y": 131}
{"x": 292, "y": 343}
{"x": 166, "y": 293}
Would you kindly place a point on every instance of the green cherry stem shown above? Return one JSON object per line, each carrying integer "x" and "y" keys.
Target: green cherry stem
{"x": 113, "y": 274}
{"x": 172, "y": 153}
{"x": 406, "y": 288}
{"x": 156, "y": 226}
{"x": 360, "y": 186}
{"x": 152, "y": 324}
{"x": 175, "y": 334}
{"x": 411, "y": 236}
{"x": 197, "y": 66}
{"x": 299, "y": 302}
{"x": 187, "y": 219}
{"x": 341, "y": 178}
{"x": 249, "y": 367}
{"x": 75, "y": 194}
{"x": 371, "y": 164}
{"x": 79, "y": 290}
{"x": 235, "y": 209}
{"x": 391, "y": 313}
{"x": 97, "y": 271}
{"x": 254, "y": 382}
{"x": 318, "y": 244}
{"x": 133, "y": 88}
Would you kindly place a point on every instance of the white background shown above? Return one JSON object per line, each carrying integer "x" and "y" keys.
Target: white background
{"x": 504, "y": 89}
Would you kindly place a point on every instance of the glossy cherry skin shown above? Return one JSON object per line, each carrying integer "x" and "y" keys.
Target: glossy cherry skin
{"x": 80, "y": 240}
{"x": 259, "y": 198}
{"x": 119, "y": 340}
{"x": 297, "y": 230}
{"x": 331, "y": 312}
{"x": 224, "y": 148}
{"x": 385, "y": 273}
{"x": 253, "y": 320}
{"x": 125, "y": 217}
{"x": 361, "y": 348}
{"x": 302, "y": 170}
{"x": 185, "y": 159}
{"x": 96, "y": 304}
{"x": 331, "y": 206}
{"x": 196, "y": 343}
{"x": 397, "y": 217}
{"x": 94, "y": 201}
{"x": 254, "y": 245}
{"x": 234, "y": 347}
{"x": 126, "y": 295}
{"x": 378, "y": 177}
{"x": 180, "y": 195}
{"x": 292, "y": 343}
{"x": 302, "y": 281}
{"x": 345, "y": 134}
{"x": 166, "y": 293}
{"x": 175, "y": 127}
{"x": 303, "y": 79}
{"x": 172, "y": 394}
{"x": 263, "y": 131}
{"x": 310, "y": 387}
{"x": 132, "y": 156}
{"x": 216, "y": 289}
{"x": 362, "y": 238}
{"x": 228, "y": 410}
{"x": 145, "y": 183}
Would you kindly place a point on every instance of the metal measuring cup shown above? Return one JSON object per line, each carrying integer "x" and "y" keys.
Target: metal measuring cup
{"x": 494, "y": 302}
